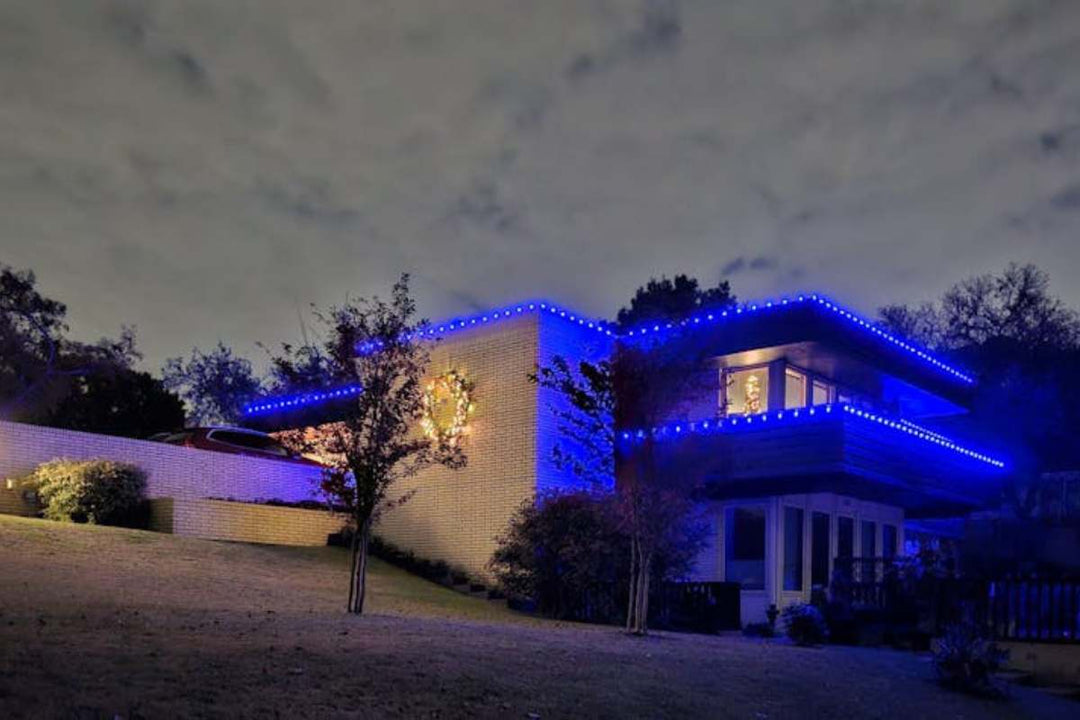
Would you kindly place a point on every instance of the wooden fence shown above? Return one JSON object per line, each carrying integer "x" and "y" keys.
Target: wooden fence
{"x": 1028, "y": 609}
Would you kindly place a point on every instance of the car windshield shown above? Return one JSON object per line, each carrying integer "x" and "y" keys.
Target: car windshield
{"x": 254, "y": 441}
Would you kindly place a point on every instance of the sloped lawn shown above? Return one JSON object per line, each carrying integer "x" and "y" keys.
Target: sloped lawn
{"x": 98, "y": 622}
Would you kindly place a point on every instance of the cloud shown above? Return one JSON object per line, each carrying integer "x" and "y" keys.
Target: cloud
{"x": 742, "y": 264}
{"x": 202, "y": 168}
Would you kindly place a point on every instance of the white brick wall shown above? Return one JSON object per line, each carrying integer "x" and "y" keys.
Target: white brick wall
{"x": 172, "y": 471}
{"x": 456, "y": 515}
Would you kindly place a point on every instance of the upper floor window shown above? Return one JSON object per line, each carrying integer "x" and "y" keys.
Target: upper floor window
{"x": 747, "y": 391}
{"x": 794, "y": 389}
{"x": 823, "y": 393}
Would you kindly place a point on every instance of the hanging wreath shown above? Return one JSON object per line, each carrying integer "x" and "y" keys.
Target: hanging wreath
{"x": 447, "y": 407}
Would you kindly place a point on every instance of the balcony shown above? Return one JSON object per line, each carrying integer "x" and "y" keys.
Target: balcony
{"x": 827, "y": 448}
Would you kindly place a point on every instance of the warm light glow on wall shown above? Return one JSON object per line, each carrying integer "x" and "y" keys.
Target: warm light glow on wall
{"x": 447, "y": 407}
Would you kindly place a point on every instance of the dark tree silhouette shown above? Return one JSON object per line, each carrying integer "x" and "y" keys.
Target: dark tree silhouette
{"x": 675, "y": 299}
{"x": 47, "y": 378}
{"x": 215, "y": 385}
{"x": 1024, "y": 344}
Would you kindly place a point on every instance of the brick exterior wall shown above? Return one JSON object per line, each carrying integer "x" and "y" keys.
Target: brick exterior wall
{"x": 172, "y": 471}
{"x": 243, "y": 522}
{"x": 456, "y": 515}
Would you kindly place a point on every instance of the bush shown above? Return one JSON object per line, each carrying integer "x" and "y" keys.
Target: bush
{"x": 563, "y": 554}
{"x": 964, "y": 660}
{"x": 98, "y": 492}
{"x": 804, "y": 624}
{"x": 759, "y": 629}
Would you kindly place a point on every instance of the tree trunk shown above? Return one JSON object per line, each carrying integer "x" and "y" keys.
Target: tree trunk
{"x": 643, "y": 601}
{"x": 632, "y": 601}
{"x": 358, "y": 577}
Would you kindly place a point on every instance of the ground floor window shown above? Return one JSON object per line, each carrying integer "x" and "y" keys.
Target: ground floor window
{"x": 793, "y": 548}
{"x": 869, "y": 539}
{"x": 845, "y": 537}
{"x": 888, "y": 541}
{"x": 744, "y": 547}
{"x": 819, "y": 549}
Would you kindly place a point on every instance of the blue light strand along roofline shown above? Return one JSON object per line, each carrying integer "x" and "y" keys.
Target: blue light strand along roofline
{"x": 816, "y": 412}
{"x": 439, "y": 329}
{"x": 706, "y": 318}
{"x": 288, "y": 402}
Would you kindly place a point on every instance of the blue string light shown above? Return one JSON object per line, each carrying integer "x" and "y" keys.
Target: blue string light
{"x": 444, "y": 328}
{"x": 810, "y": 414}
{"x": 289, "y": 402}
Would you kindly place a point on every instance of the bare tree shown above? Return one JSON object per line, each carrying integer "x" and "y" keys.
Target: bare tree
{"x": 372, "y": 345}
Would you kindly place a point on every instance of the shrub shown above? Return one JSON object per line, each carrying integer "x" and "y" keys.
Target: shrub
{"x": 759, "y": 629}
{"x": 804, "y": 624}
{"x": 99, "y": 492}
{"x": 964, "y": 660}
{"x": 562, "y": 553}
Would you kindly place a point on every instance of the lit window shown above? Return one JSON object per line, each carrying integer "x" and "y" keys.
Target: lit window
{"x": 793, "y": 548}
{"x": 744, "y": 547}
{"x": 747, "y": 391}
{"x": 823, "y": 393}
{"x": 794, "y": 389}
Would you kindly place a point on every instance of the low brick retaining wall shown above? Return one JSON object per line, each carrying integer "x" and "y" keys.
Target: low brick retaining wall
{"x": 243, "y": 522}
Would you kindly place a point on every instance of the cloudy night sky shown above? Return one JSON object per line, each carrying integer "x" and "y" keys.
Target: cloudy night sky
{"x": 203, "y": 170}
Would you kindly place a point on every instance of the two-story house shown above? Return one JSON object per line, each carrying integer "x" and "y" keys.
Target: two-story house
{"x": 808, "y": 435}
{"x": 810, "y": 439}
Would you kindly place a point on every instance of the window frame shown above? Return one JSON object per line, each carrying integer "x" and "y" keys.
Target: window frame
{"x": 730, "y": 545}
{"x": 799, "y": 539}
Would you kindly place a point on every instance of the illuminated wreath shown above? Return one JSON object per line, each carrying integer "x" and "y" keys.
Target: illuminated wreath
{"x": 447, "y": 406}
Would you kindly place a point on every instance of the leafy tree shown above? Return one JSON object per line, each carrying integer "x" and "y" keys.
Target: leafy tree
{"x": 374, "y": 444}
{"x": 642, "y": 385}
{"x": 215, "y": 385}
{"x": 675, "y": 299}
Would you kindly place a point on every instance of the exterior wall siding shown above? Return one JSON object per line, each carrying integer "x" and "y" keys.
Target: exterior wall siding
{"x": 456, "y": 516}
{"x": 172, "y": 471}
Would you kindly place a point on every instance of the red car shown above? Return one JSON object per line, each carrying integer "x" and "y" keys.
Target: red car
{"x": 237, "y": 441}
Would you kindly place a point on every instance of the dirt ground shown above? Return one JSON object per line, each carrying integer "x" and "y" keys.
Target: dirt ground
{"x": 99, "y": 623}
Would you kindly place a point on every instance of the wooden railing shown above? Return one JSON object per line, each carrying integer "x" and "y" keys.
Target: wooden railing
{"x": 703, "y": 607}
{"x": 1033, "y": 609}
{"x": 1030, "y": 609}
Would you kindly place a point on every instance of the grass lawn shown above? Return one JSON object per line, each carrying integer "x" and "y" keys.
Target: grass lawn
{"x": 99, "y": 622}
